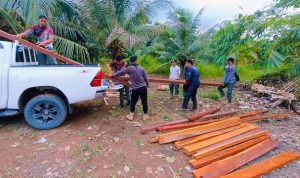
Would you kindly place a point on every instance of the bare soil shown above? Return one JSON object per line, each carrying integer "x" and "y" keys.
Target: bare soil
{"x": 97, "y": 141}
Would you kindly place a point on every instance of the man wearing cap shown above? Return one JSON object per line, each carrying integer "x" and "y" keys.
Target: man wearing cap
{"x": 45, "y": 37}
{"x": 139, "y": 81}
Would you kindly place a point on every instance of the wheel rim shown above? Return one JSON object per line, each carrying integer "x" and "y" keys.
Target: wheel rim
{"x": 45, "y": 113}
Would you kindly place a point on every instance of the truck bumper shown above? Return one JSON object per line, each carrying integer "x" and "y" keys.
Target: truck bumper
{"x": 101, "y": 93}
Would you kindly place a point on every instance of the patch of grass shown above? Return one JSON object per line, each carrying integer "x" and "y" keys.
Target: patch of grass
{"x": 167, "y": 118}
{"x": 85, "y": 152}
{"x": 210, "y": 70}
{"x": 213, "y": 94}
{"x": 118, "y": 158}
{"x": 137, "y": 141}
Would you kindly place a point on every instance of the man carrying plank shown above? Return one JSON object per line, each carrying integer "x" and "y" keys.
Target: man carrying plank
{"x": 193, "y": 83}
{"x": 139, "y": 81}
{"x": 45, "y": 37}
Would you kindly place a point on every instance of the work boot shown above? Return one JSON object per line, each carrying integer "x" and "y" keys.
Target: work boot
{"x": 130, "y": 116}
{"x": 145, "y": 117}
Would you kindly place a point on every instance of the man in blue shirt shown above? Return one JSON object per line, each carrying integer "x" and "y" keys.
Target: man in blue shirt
{"x": 229, "y": 79}
{"x": 193, "y": 83}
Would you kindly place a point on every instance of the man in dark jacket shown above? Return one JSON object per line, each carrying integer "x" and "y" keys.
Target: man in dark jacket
{"x": 193, "y": 83}
{"x": 139, "y": 81}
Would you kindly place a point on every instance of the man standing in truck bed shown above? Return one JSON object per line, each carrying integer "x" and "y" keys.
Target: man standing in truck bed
{"x": 45, "y": 37}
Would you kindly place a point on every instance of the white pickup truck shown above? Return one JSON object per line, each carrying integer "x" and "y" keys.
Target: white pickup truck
{"x": 45, "y": 94}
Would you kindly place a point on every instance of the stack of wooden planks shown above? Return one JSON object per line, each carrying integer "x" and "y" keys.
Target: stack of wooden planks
{"x": 218, "y": 146}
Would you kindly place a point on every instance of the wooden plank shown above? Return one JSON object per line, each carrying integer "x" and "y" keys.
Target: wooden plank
{"x": 181, "y": 143}
{"x": 260, "y": 118}
{"x": 211, "y": 111}
{"x": 37, "y": 48}
{"x": 153, "y": 140}
{"x": 225, "y": 166}
{"x": 123, "y": 82}
{"x": 218, "y": 115}
{"x": 266, "y": 166}
{"x": 228, "y": 143}
{"x": 192, "y": 148}
{"x": 147, "y": 129}
{"x": 194, "y": 131}
{"x": 253, "y": 113}
{"x": 186, "y": 125}
{"x": 180, "y": 82}
{"x": 198, "y": 163}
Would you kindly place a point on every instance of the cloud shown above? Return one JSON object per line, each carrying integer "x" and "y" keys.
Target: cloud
{"x": 217, "y": 11}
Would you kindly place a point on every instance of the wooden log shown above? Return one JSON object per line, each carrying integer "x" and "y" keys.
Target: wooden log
{"x": 198, "y": 163}
{"x": 266, "y": 166}
{"x": 229, "y": 143}
{"x": 147, "y": 129}
{"x": 223, "y": 167}
{"x": 260, "y": 118}
{"x": 218, "y": 115}
{"x": 180, "y": 82}
{"x": 253, "y": 113}
{"x": 194, "y": 131}
{"x": 211, "y": 111}
{"x": 181, "y": 143}
{"x": 192, "y": 148}
{"x": 38, "y": 49}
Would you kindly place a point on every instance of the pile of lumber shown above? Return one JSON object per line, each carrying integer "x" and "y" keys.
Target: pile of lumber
{"x": 276, "y": 96}
{"x": 221, "y": 143}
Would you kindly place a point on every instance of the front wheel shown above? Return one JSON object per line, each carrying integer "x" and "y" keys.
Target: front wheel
{"x": 45, "y": 112}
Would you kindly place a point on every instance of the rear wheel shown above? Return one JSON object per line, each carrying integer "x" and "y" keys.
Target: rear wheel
{"x": 45, "y": 111}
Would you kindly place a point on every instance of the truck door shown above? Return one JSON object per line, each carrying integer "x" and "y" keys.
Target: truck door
{"x": 2, "y": 59}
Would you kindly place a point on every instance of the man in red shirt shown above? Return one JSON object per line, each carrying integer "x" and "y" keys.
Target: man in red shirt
{"x": 45, "y": 38}
{"x": 115, "y": 66}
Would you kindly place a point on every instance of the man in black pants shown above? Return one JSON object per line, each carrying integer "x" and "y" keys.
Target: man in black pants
{"x": 193, "y": 83}
{"x": 139, "y": 81}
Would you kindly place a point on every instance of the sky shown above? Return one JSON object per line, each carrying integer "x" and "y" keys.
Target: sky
{"x": 216, "y": 11}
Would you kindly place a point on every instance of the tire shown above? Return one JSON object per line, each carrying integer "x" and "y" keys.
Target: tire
{"x": 45, "y": 112}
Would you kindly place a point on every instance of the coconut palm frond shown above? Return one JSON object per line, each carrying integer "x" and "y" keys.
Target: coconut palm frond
{"x": 71, "y": 49}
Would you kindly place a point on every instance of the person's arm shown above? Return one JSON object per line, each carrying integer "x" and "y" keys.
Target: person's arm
{"x": 122, "y": 72}
{"x": 145, "y": 78}
{"x": 178, "y": 72}
{"x": 50, "y": 40}
{"x": 109, "y": 69}
{"x": 26, "y": 33}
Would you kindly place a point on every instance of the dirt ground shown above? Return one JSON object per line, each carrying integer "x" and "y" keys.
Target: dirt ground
{"x": 97, "y": 141}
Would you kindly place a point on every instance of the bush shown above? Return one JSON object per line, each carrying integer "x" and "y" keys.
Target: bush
{"x": 210, "y": 70}
{"x": 153, "y": 66}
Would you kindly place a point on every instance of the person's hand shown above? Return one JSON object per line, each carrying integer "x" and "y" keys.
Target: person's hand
{"x": 18, "y": 36}
{"x": 40, "y": 43}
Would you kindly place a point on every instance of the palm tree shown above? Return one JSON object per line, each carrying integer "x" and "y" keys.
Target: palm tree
{"x": 119, "y": 24}
{"x": 180, "y": 39}
{"x": 70, "y": 39}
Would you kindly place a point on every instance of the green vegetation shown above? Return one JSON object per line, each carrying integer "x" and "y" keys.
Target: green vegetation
{"x": 213, "y": 94}
{"x": 95, "y": 31}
